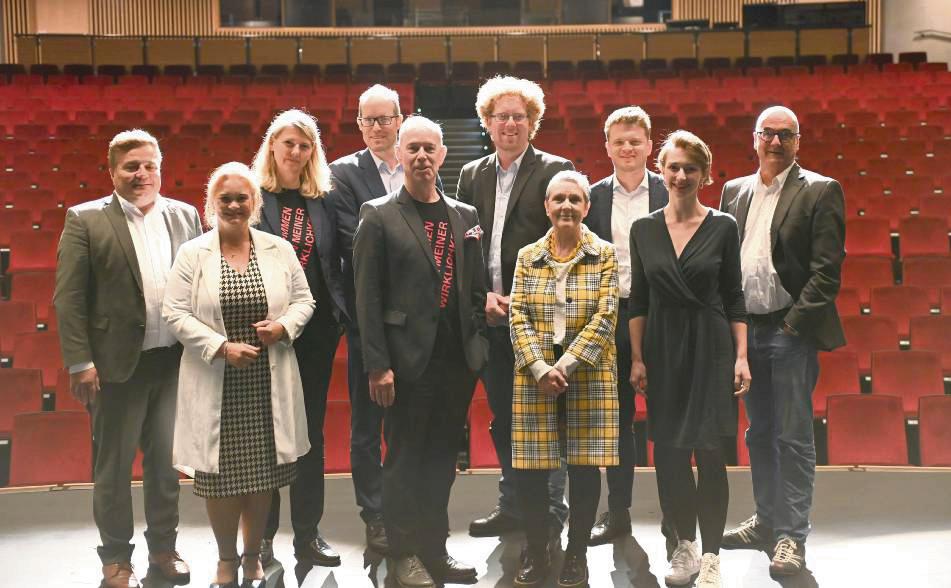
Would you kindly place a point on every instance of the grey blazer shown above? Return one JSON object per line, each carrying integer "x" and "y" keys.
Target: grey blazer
{"x": 602, "y": 200}
{"x": 808, "y": 237}
{"x": 100, "y": 305}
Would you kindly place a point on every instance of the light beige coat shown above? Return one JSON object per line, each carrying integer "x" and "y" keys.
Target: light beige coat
{"x": 193, "y": 311}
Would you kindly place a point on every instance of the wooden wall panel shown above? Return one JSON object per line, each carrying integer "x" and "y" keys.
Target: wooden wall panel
{"x": 514, "y": 49}
{"x": 171, "y": 51}
{"x": 621, "y": 47}
{"x": 212, "y": 51}
{"x": 478, "y": 49}
{"x": 772, "y": 43}
{"x": 572, "y": 48}
{"x": 730, "y": 44}
{"x": 18, "y": 18}
{"x": 323, "y": 51}
{"x": 422, "y": 49}
{"x": 823, "y": 41}
{"x": 274, "y": 51}
{"x": 66, "y": 49}
{"x": 153, "y": 17}
{"x": 27, "y": 51}
{"x": 117, "y": 51}
{"x": 862, "y": 43}
{"x": 670, "y": 45}
{"x": 385, "y": 51}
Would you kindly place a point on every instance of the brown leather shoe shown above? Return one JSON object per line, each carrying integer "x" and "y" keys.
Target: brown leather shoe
{"x": 119, "y": 575}
{"x": 172, "y": 567}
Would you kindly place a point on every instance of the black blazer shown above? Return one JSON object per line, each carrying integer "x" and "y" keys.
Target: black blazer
{"x": 602, "y": 201}
{"x": 323, "y": 218}
{"x": 398, "y": 286}
{"x": 525, "y": 218}
{"x": 808, "y": 237}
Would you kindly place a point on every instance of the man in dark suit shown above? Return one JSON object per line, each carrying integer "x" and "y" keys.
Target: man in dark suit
{"x": 420, "y": 286}
{"x": 630, "y": 193}
{"x": 792, "y": 233}
{"x": 507, "y": 188}
{"x": 113, "y": 261}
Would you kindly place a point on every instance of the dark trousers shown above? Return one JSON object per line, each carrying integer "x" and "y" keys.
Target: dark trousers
{"x": 424, "y": 429}
{"x": 621, "y": 477}
{"x": 685, "y": 502}
{"x": 366, "y": 420}
{"x": 584, "y": 491}
{"x": 315, "y": 355}
{"x": 139, "y": 412}
{"x": 499, "y": 379}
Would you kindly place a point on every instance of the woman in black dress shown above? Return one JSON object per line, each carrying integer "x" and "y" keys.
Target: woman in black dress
{"x": 688, "y": 335}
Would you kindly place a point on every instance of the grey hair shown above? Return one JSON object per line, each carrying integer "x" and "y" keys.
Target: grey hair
{"x": 774, "y": 110}
{"x": 221, "y": 173}
{"x": 419, "y": 122}
{"x": 378, "y": 91}
{"x": 570, "y": 175}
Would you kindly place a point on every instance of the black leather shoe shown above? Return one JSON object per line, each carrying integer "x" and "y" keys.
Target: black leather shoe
{"x": 447, "y": 570}
{"x": 612, "y": 525}
{"x": 376, "y": 535}
{"x": 409, "y": 572}
{"x": 267, "y": 552}
{"x": 317, "y": 553}
{"x": 493, "y": 524}
{"x": 533, "y": 569}
{"x": 574, "y": 571}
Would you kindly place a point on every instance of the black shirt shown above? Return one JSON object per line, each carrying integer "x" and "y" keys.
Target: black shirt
{"x": 435, "y": 217}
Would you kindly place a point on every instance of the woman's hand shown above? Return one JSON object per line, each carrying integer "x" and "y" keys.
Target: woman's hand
{"x": 269, "y": 332}
{"x": 639, "y": 377}
{"x": 741, "y": 376}
{"x": 240, "y": 355}
{"x": 553, "y": 383}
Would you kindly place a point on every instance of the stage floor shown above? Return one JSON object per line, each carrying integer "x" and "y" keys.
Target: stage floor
{"x": 878, "y": 528}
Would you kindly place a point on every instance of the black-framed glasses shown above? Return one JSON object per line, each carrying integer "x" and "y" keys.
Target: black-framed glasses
{"x": 503, "y": 117}
{"x": 785, "y": 135}
{"x": 369, "y": 121}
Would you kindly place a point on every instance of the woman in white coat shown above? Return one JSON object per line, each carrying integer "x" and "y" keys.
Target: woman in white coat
{"x": 237, "y": 298}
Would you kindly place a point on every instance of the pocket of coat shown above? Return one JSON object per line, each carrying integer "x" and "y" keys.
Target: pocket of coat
{"x": 394, "y": 317}
{"x": 99, "y": 322}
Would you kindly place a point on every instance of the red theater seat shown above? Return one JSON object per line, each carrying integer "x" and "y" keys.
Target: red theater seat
{"x": 742, "y": 423}
{"x": 934, "y": 422}
{"x": 39, "y": 351}
{"x": 847, "y": 302}
{"x": 868, "y": 236}
{"x": 32, "y": 251}
{"x": 933, "y": 333}
{"x": 51, "y": 448}
{"x": 900, "y": 303}
{"x": 21, "y": 390}
{"x": 932, "y": 273}
{"x": 865, "y": 334}
{"x": 838, "y": 374}
{"x": 11, "y": 221}
{"x": 866, "y": 430}
{"x": 865, "y": 273}
{"x": 35, "y": 287}
{"x": 337, "y": 437}
{"x": 481, "y": 448}
{"x": 16, "y": 316}
{"x": 907, "y": 374}
{"x": 921, "y": 235}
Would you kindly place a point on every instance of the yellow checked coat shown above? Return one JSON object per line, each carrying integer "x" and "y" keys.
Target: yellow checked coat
{"x": 591, "y": 314}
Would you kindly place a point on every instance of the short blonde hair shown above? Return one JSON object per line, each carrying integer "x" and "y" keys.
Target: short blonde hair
{"x": 628, "y": 115}
{"x": 575, "y": 177}
{"x": 315, "y": 176}
{"x": 696, "y": 149}
{"x": 223, "y": 172}
{"x": 531, "y": 94}
{"x": 127, "y": 141}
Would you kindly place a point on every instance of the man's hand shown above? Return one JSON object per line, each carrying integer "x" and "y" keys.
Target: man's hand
{"x": 496, "y": 309}
{"x": 240, "y": 355}
{"x": 382, "y": 391}
{"x": 553, "y": 383}
{"x": 639, "y": 377}
{"x": 741, "y": 377}
{"x": 85, "y": 385}
{"x": 269, "y": 332}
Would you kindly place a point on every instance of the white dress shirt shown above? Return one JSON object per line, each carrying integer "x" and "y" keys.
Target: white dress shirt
{"x": 505, "y": 180}
{"x": 627, "y": 207}
{"x": 392, "y": 178}
{"x": 762, "y": 288}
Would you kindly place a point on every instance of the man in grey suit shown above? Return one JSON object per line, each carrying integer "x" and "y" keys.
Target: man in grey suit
{"x": 792, "y": 233}
{"x": 420, "y": 286}
{"x": 113, "y": 261}
{"x": 507, "y": 188}
{"x": 628, "y": 194}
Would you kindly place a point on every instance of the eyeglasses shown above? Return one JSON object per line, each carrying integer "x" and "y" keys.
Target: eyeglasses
{"x": 784, "y": 135}
{"x": 503, "y": 117}
{"x": 369, "y": 121}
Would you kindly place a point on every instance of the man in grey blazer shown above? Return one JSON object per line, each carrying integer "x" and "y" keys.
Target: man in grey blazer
{"x": 507, "y": 188}
{"x": 628, "y": 194}
{"x": 113, "y": 261}
{"x": 792, "y": 233}
{"x": 420, "y": 287}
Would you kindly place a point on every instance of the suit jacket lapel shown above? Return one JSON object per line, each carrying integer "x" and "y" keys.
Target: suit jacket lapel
{"x": 487, "y": 181}
{"x": 790, "y": 191}
{"x": 744, "y": 198}
{"x": 415, "y": 223}
{"x": 521, "y": 178}
{"x": 272, "y": 214}
{"x": 120, "y": 225}
{"x": 318, "y": 221}
{"x": 656, "y": 193}
{"x": 371, "y": 174}
{"x": 458, "y": 236}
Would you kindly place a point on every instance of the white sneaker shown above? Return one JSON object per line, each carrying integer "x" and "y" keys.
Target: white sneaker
{"x": 684, "y": 563}
{"x": 709, "y": 572}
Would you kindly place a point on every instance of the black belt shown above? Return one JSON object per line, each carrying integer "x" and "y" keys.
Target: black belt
{"x": 770, "y": 317}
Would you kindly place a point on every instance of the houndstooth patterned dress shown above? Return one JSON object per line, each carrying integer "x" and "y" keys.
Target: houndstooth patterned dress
{"x": 247, "y": 461}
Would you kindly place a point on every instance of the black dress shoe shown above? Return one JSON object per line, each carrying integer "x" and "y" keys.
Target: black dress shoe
{"x": 612, "y": 525}
{"x": 574, "y": 571}
{"x": 409, "y": 572}
{"x": 447, "y": 570}
{"x": 317, "y": 553}
{"x": 376, "y": 535}
{"x": 533, "y": 569}
{"x": 494, "y": 524}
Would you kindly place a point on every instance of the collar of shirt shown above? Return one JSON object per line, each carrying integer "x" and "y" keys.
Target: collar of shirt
{"x": 131, "y": 210}
{"x": 620, "y": 190}
{"x": 383, "y": 167}
{"x": 513, "y": 169}
{"x": 777, "y": 182}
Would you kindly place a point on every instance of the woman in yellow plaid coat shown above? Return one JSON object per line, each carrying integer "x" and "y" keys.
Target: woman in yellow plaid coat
{"x": 563, "y": 315}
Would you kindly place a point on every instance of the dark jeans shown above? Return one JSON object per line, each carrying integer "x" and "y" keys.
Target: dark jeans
{"x": 424, "y": 429}
{"x": 584, "y": 493}
{"x": 780, "y": 437}
{"x": 139, "y": 412}
{"x": 498, "y": 377}
{"x": 315, "y": 355}
{"x": 366, "y": 420}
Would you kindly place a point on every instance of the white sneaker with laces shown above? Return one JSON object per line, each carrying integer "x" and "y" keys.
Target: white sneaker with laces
{"x": 709, "y": 572}
{"x": 684, "y": 563}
